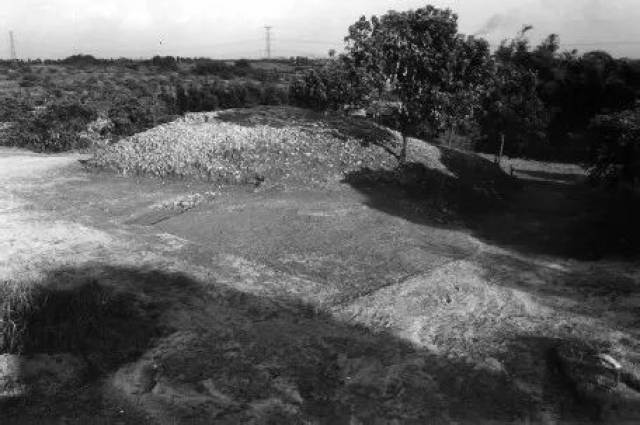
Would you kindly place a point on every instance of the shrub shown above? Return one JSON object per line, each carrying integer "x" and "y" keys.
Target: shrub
{"x": 28, "y": 80}
{"x": 615, "y": 147}
{"x": 12, "y": 108}
{"x": 309, "y": 91}
{"x": 54, "y": 128}
{"x": 222, "y": 95}
{"x": 274, "y": 95}
{"x": 166, "y": 63}
{"x": 333, "y": 86}
{"x": 217, "y": 68}
{"x": 130, "y": 115}
{"x": 84, "y": 318}
{"x": 81, "y": 60}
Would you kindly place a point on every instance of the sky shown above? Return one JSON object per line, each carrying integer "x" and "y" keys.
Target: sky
{"x": 235, "y": 28}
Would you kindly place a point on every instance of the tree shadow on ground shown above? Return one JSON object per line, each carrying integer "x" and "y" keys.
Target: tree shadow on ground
{"x": 413, "y": 190}
{"x": 567, "y": 220}
{"x": 530, "y": 216}
{"x": 567, "y": 369}
{"x": 199, "y": 351}
{"x": 604, "y": 294}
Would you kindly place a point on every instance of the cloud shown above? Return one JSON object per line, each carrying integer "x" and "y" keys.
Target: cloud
{"x": 111, "y": 28}
{"x": 495, "y": 22}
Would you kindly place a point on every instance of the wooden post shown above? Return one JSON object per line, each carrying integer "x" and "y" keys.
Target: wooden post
{"x": 403, "y": 153}
{"x": 501, "y": 148}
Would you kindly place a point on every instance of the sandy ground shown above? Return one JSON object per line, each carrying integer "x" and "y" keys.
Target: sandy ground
{"x": 320, "y": 306}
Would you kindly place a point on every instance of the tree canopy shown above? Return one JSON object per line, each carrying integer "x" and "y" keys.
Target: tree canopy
{"x": 435, "y": 73}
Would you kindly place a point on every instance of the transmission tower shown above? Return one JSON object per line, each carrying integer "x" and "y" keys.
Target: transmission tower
{"x": 12, "y": 43}
{"x": 268, "y": 40}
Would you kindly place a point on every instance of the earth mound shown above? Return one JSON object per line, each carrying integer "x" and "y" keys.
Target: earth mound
{"x": 252, "y": 146}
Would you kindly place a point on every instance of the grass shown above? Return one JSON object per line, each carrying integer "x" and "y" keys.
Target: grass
{"x": 16, "y": 301}
{"x": 83, "y": 318}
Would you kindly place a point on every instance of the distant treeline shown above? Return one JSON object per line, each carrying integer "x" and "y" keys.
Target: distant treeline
{"x": 164, "y": 62}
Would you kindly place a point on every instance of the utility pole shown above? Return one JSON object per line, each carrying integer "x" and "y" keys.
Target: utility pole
{"x": 12, "y": 43}
{"x": 268, "y": 40}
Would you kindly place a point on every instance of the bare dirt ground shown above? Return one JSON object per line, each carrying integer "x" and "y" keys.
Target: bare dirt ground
{"x": 339, "y": 305}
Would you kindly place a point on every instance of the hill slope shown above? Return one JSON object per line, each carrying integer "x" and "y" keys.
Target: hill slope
{"x": 281, "y": 145}
{"x": 245, "y": 146}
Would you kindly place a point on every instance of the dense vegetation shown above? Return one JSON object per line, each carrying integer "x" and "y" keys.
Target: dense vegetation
{"x": 78, "y": 101}
{"x": 534, "y": 102}
{"x": 411, "y": 70}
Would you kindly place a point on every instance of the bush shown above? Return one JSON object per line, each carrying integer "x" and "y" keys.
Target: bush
{"x": 81, "y": 60}
{"x": 274, "y": 95}
{"x": 28, "y": 80}
{"x": 615, "y": 147}
{"x": 309, "y": 91}
{"x": 55, "y": 128}
{"x": 165, "y": 63}
{"x": 84, "y": 318}
{"x": 217, "y": 68}
{"x": 222, "y": 95}
{"x": 130, "y": 115}
{"x": 12, "y": 109}
{"x": 332, "y": 87}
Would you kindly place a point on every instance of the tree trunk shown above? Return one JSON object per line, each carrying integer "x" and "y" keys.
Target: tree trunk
{"x": 403, "y": 152}
{"x": 450, "y": 137}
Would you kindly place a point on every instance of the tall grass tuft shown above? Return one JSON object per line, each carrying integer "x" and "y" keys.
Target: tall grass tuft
{"x": 86, "y": 319}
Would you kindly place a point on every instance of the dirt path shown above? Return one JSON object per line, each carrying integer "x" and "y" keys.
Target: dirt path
{"x": 316, "y": 305}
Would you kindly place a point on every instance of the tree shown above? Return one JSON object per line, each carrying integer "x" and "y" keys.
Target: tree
{"x": 512, "y": 108}
{"x": 615, "y": 147}
{"x": 543, "y": 100}
{"x": 435, "y": 73}
{"x": 309, "y": 91}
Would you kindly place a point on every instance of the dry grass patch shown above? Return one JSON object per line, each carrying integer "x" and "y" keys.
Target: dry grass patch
{"x": 70, "y": 314}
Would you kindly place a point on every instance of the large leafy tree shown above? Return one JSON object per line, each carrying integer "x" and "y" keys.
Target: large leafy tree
{"x": 542, "y": 99}
{"x": 435, "y": 73}
{"x": 512, "y": 109}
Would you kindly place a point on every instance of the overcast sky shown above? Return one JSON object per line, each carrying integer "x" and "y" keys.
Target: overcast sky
{"x": 235, "y": 28}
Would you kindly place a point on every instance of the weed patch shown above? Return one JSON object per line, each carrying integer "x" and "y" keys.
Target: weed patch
{"x": 89, "y": 319}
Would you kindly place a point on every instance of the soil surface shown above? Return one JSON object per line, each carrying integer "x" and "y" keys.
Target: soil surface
{"x": 325, "y": 306}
